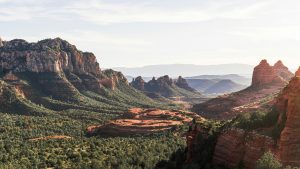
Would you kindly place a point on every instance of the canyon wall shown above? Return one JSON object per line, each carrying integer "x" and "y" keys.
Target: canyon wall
{"x": 289, "y": 107}
{"x": 238, "y": 147}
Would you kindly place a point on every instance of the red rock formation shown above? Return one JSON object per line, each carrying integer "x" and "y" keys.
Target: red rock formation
{"x": 50, "y": 55}
{"x": 289, "y": 107}
{"x": 165, "y": 87}
{"x": 182, "y": 83}
{"x": 297, "y": 74}
{"x": 237, "y": 146}
{"x": 267, "y": 82}
{"x": 57, "y": 66}
{"x": 282, "y": 71}
{"x": 191, "y": 137}
{"x": 111, "y": 79}
{"x": 138, "y": 83}
{"x": 264, "y": 74}
{"x": 10, "y": 77}
{"x": 143, "y": 121}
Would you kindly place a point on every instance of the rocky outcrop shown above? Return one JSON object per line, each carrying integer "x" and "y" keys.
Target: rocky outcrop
{"x": 264, "y": 74}
{"x": 288, "y": 104}
{"x": 164, "y": 86}
{"x": 139, "y": 121}
{"x": 267, "y": 82}
{"x": 138, "y": 83}
{"x": 111, "y": 79}
{"x": 182, "y": 83}
{"x": 164, "y": 80}
{"x": 282, "y": 71}
{"x": 236, "y": 147}
{"x": 50, "y": 55}
{"x": 10, "y": 77}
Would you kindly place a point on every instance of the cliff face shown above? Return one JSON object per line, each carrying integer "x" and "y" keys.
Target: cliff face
{"x": 288, "y": 105}
{"x": 58, "y": 67}
{"x": 236, "y": 147}
{"x": 267, "y": 82}
{"x": 51, "y": 55}
{"x": 53, "y": 75}
{"x": 264, "y": 74}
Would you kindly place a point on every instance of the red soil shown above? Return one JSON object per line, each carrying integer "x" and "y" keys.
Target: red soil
{"x": 143, "y": 121}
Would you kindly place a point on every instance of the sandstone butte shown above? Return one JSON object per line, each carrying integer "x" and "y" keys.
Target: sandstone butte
{"x": 236, "y": 145}
{"x": 267, "y": 81}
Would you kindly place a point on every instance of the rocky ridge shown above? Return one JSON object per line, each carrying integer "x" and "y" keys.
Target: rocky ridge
{"x": 164, "y": 86}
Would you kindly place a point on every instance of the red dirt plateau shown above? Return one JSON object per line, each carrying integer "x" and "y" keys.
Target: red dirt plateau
{"x": 143, "y": 121}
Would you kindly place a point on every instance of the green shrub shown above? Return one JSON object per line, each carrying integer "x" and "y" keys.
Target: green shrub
{"x": 268, "y": 161}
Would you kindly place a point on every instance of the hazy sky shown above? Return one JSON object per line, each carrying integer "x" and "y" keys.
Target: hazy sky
{"x": 143, "y": 32}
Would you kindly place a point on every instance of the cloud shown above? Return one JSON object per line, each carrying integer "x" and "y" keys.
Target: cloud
{"x": 107, "y": 12}
{"x": 271, "y": 33}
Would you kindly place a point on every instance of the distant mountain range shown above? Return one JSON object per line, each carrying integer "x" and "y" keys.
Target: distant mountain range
{"x": 165, "y": 87}
{"x": 186, "y": 70}
{"x": 244, "y": 80}
{"x": 215, "y": 86}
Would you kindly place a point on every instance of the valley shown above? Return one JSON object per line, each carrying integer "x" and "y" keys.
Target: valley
{"x": 59, "y": 109}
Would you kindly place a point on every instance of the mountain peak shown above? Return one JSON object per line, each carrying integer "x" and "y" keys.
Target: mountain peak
{"x": 138, "y": 83}
{"x": 279, "y": 64}
{"x": 265, "y": 74}
{"x": 298, "y": 72}
{"x": 264, "y": 62}
{"x": 182, "y": 83}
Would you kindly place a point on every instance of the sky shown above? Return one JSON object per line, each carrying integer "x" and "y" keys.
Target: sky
{"x": 133, "y": 33}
